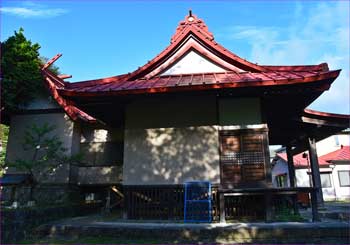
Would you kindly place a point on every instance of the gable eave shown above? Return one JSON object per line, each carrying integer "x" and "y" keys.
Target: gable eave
{"x": 205, "y": 42}
{"x": 228, "y": 80}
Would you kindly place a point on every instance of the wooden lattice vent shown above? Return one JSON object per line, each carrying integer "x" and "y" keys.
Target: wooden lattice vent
{"x": 242, "y": 156}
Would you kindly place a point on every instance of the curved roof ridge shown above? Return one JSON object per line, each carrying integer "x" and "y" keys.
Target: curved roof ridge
{"x": 54, "y": 83}
{"x": 194, "y": 27}
{"x": 209, "y": 81}
{"x": 98, "y": 81}
{"x": 319, "y": 67}
{"x": 326, "y": 114}
{"x": 197, "y": 28}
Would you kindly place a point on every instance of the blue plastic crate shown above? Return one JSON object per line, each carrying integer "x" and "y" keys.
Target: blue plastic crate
{"x": 197, "y": 206}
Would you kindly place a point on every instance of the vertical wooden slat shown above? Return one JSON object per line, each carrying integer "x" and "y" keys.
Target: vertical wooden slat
{"x": 161, "y": 202}
{"x": 315, "y": 171}
{"x": 267, "y": 164}
{"x": 222, "y": 208}
{"x": 291, "y": 169}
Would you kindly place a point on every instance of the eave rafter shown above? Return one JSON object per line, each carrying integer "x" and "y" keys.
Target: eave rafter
{"x": 183, "y": 83}
{"x": 53, "y": 83}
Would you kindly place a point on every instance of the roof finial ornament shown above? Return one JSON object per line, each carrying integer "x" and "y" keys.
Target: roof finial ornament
{"x": 190, "y": 16}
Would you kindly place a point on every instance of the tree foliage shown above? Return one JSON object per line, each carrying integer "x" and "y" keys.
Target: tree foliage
{"x": 45, "y": 154}
{"x": 20, "y": 72}
{"x": 20, "y": 69}
{"x": 43, "y": 147}
{"x": 4, "y": 132}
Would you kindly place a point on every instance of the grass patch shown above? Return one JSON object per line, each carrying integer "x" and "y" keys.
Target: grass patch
{"x": 289, "y": 218}
{"x": 286, "y": 214}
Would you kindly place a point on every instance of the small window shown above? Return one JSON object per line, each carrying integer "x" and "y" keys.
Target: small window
{"x": 326, "y": 180}
{"x": 344, "y": 177}
{"x": 89, "y": 197}
{"x": 336, "y": 140}
{"x": 281, "y": 180}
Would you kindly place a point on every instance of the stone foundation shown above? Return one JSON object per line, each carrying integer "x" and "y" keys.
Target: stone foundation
{"x": 44, "y": 194}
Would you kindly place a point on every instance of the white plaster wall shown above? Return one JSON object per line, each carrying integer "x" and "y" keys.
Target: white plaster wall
{"x": 18, "y": 126}
{"x": 302, "y": 178}
{"x": 193, "y": 63}
{"x": 341, "y": 192}
{"x": 329, "y": 144}
{"x": 101, "y": 146}
{"x": 91, "y": 134}
{"x": 280, "y": 167}
{"x": 99, "y": 175}
{"x": 171, "y": 155}
{"x": 336, "y": 192}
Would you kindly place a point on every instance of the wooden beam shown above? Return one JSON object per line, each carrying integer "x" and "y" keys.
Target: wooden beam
{"x": 291, "y": 174}
{"x": 268, "y": 174}
{"x": 320, "y": 122}
{"x": 50, "y": 62}
{"x": 268, "y": 206}
{"x": 315, "y": 171}
{"x": 64, "y": 76}
{"x": 291, "y": 169}
{"x": 222, "y": 207}
{"x": 115, "y": 189}
{"x": 315, "y": 214}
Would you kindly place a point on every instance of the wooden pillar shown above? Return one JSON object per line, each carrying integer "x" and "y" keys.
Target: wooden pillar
{"x": 222, "y": 208}
{"x": 315, "y": 215}
{"x": 268, "y": 178}
{"x": 315, "y": 171}
{"x": 125, "y": 203}
{"x": 292, "y": 180}
{"x": 268, "y": 175}
{"x": 268, "y": 206}
{"x": 291, "y": 169}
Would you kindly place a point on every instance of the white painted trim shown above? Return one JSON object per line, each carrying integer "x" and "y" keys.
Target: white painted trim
{"x": 238, "y": 127}
{"x": 190, "y": 42}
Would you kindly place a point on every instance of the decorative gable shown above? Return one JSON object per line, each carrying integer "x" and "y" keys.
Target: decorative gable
{"x": 192, "y": 62}
{"x": 193, "y": 35}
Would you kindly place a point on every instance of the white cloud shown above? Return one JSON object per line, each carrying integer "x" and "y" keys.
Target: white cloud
{"x": 318, "y": 34}
{"x": 33, "y": 10}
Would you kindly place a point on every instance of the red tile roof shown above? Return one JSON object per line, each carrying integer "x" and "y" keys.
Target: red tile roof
{"x": 343, "y": 154}
{"x": 300, "y": 161}
{"x": 325, "y": 114}
{"x": 320, "y": 67}
{"x": 146, "y": 79}
{"x": 208, "y": 81}
{"x": 142, "y": 80}
{"x": 54, "y": 83}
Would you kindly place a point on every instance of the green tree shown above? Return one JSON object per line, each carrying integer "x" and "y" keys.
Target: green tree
{"x": 20, "y": 72}
{"x": 4, "y": 132}
{"x": 20, "y": 68}
{"x": 45, "y": 154}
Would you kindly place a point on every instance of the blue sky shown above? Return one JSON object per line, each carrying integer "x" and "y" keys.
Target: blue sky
{"x": 106, "y": 38}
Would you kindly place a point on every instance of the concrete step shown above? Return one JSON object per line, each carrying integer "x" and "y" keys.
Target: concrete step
{"x": 342, "y": 216}
{"x": 279, "y": 232}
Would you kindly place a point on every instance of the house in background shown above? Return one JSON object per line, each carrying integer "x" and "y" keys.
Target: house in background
{"x": 194, "y": 112}
{"x": 334, "y": 165}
